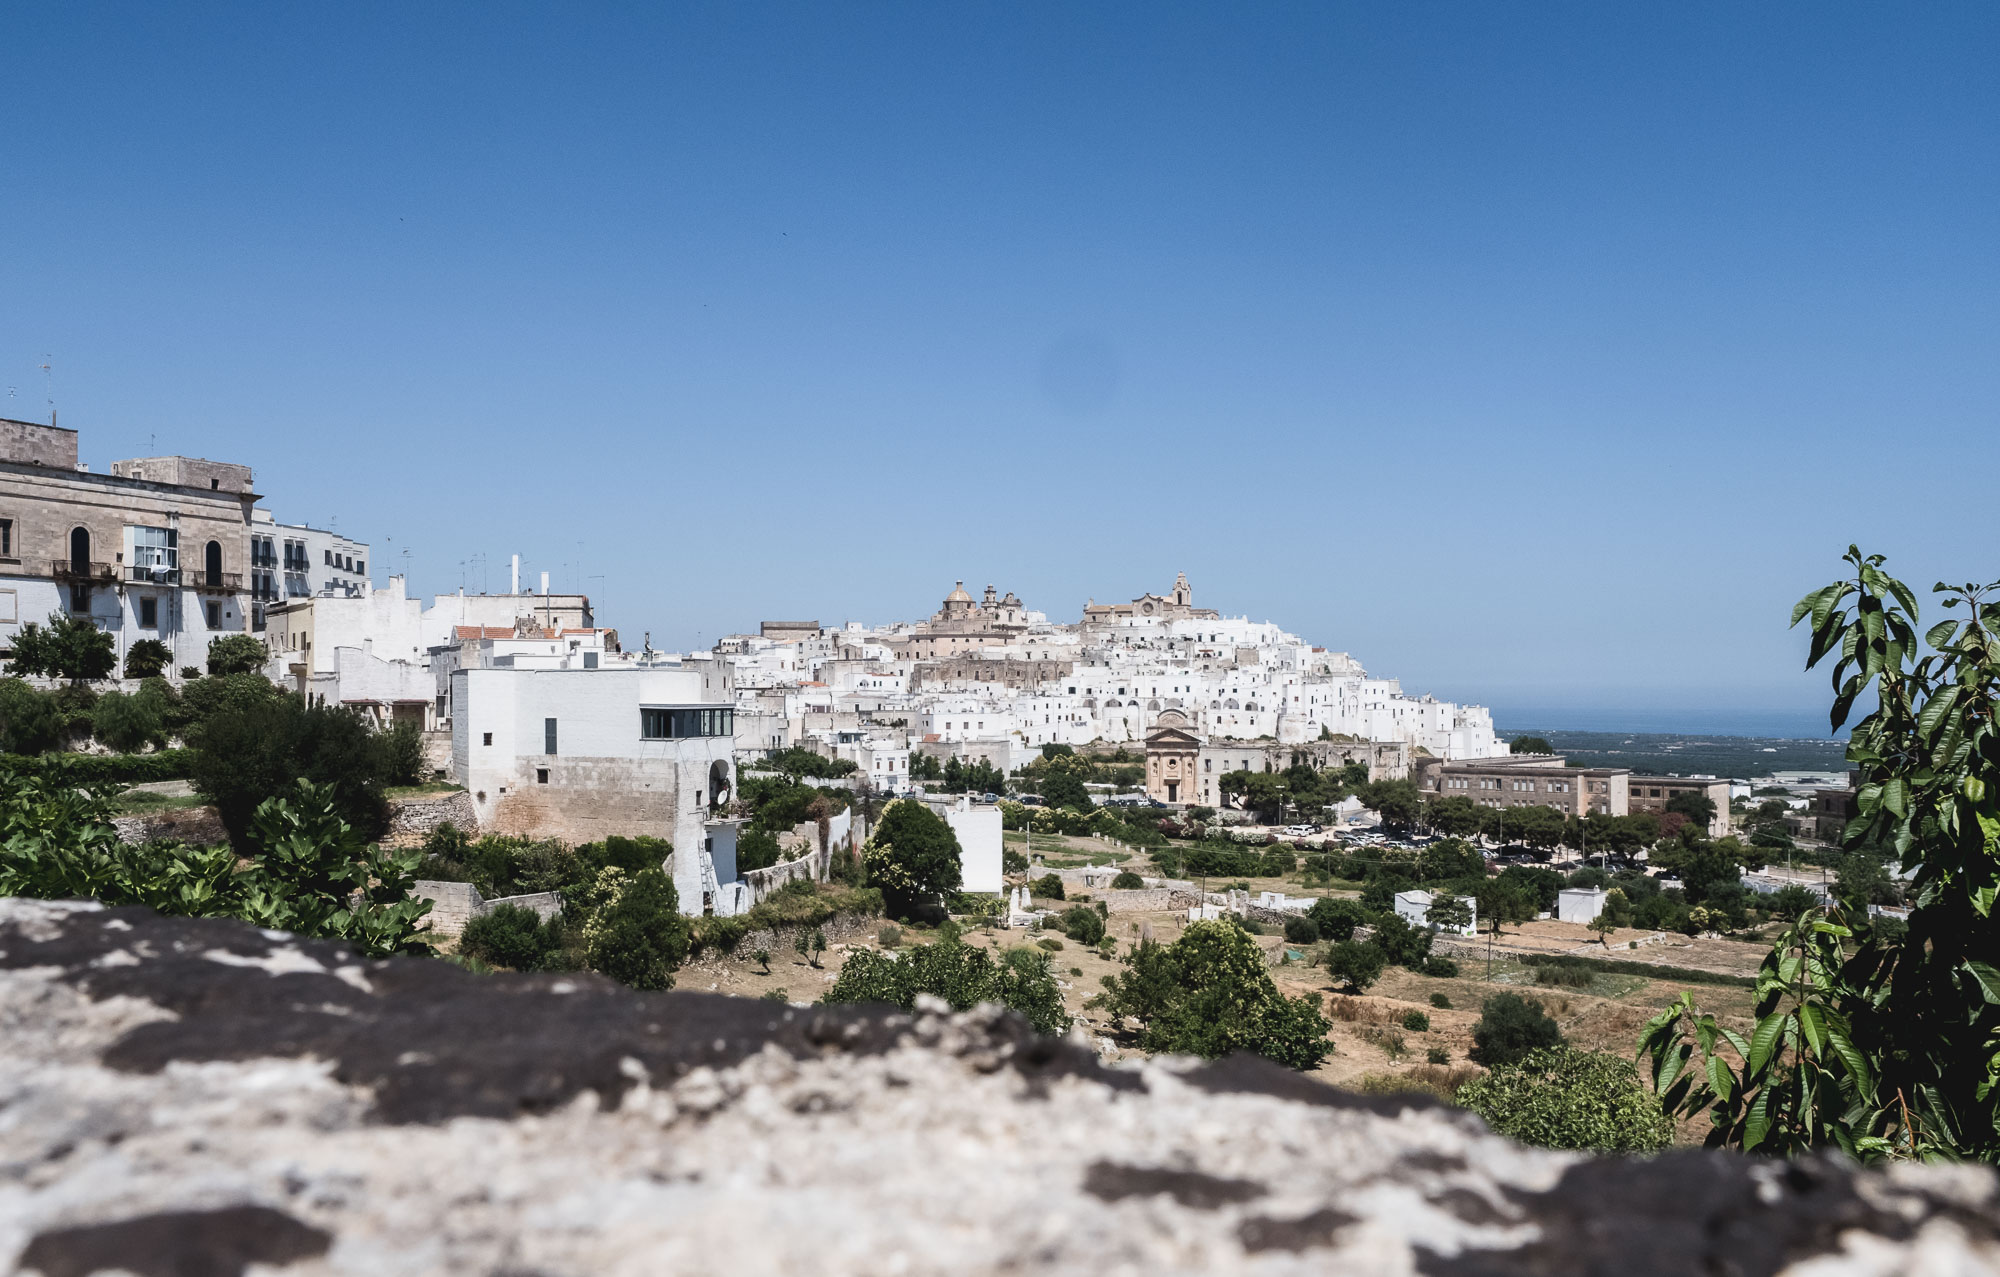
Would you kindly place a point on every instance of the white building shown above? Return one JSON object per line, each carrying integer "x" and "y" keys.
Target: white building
{"x": 978, "y": 829}
{"x": 1580, "y": 905}
{"x": 580, "y": 754}
{"x": 295, "y": 561}
{"x": 1411, "y": 906}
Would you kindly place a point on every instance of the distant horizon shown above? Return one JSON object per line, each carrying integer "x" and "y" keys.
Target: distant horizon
{"x": 1763, "y": 724}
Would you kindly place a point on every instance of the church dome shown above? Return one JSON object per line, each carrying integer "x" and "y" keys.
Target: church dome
{"x": 958, "y": 595}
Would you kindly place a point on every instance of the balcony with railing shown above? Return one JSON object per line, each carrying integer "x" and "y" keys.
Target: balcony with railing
{"x": 144, "y": 574}
{"x": 226, "y": 582}
{"x": 78, "y": 570}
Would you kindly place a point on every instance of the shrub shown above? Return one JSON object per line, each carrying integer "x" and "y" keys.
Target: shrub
{"x": 1510, "y": 1026}
{"x": 757, "y": 849}
{"x": 1251, "y": 925}
{"x": 1437, "y": 1055}
{"x": 961, "y": 975}
{"x": 1439, "y": 967}
{"x": 236, "y": 654}
{"x": 510, "y": 936}
{"x": 1563, "y": 977}
{"x": 1208, "y": 994}
{"x": 1013, "y": 862}
{"x": 1557, "y": 1097}
{"x": 889, "y": 936}
{"x": 1357, "y": 962}
{"x": 639, "y": 937}
{"x": 1127, "y": 880}
{"x": 128, "y": 723}
{"x": 1337, "y": 919}
{"x": 775, "y": 995}
{"x": 244, "y": 755}
{"x": 1301, "y": 931}
{"x": 30, "y": 722}
{"x": 1082, "y": 924}
{"x": 1048, "y": 887}
{"x": 1416, "y": 1022}
{"x": 1050, "y": 943}
{"x": 1440, "y": 1001}
{"x": 1443, "y": 1083}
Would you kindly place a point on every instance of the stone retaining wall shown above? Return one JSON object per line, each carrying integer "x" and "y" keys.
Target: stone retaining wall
{"x": 197, "y": 826}
{"x": 412, "y": 819}
{"x": 453, "y": 904}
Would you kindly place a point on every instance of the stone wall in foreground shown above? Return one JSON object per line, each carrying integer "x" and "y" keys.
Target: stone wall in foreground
{"x": 188, "y": 1096}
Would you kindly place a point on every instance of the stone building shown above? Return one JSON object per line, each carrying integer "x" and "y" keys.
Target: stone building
{"x": 157, "y": 549}
{"x": 578, "y": 754}
{"x": 1171, "y": 751}
{"x": 1178, "y": 605}
{"x": 962, "y": 625}
{"x": 1653, "y": 793}
{"x": 1385, "y": 760}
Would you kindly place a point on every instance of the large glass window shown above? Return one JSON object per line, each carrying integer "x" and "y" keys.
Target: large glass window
{"x": 155, "y": 548}
{"x": 677, "y": 724}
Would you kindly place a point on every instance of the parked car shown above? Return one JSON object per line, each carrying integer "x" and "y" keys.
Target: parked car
{"x": 1030, "y": 800}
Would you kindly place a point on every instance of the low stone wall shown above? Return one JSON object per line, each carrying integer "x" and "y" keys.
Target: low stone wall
{"x": 197, "y": 826}
{"x": 841, "y": 927}
{"x": 412, "y": 819}
{"x": 453, "y": 904}
{"x": 1149, "y": 900}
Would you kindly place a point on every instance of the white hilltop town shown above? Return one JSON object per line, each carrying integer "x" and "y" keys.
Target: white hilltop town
{"x": 989, "y": 679}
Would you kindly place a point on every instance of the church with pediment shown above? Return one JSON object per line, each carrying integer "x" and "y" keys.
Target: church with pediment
{"x": 1171, "y": 750}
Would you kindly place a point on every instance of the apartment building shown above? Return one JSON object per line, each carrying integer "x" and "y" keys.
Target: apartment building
{"x": 295, "y": 561}
{"x": 156, "y": 549}
{"x": 1524, "y": 780}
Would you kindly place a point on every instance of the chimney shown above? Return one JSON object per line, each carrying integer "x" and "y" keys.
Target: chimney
{"x": 515, "y": 588}
{"x": 545, "y": 583}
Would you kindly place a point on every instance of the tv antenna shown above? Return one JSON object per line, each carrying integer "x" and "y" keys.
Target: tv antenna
{"x": 49, "y": 384}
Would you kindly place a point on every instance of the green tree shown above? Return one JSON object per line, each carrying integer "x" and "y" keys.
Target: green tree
{"x": 762, "y": 958}
{"x": 236, "y": 654}
{"x": 1530, "y": 745}
{"x": 756, "y": 849}
{"x": 638, "y": 937}
{"x": 1397, "y": 802}
{"x": 959, "y": 974}
{"x": 1082, "y": 924}
{"x": 1698, "y": 808}
{"x": 1450, "y": 858}
{"x": 68, "y": 647}
{"x": 1208, "y": 994}
{"x": 147, "y": 658}
{"x": 1509, "y": 1027}
{"x": 1556, "y": 1097}
{"x": 1356, "y": 963}
{"x": 403, "y": 754}
{"x": 243, "y": 756}
{"x": 1127, "y": 881}
{"x": 1448, "y": 913}
{"x": 1337, "y": 918}
{"x": 1047, "y": 887}
{"x": 1405, "y": 945}
{"x": 1062, "y": 782}
{"x": 1503, "y": 901}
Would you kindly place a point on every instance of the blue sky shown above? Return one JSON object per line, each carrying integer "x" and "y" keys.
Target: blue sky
{"x": 1539, "y": 355}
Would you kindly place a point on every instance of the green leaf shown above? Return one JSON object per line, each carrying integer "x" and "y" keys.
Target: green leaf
{"x": 1761, "y": 1044}
{"x": 1940, "y": 634}
{"x": 1987, "y": 978}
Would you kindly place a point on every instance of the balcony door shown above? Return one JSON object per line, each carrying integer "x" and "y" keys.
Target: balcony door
{"x": 211, "y": 564}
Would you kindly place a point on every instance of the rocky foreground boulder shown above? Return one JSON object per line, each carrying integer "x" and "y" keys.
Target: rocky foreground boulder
{"x": 190, "y": 1098}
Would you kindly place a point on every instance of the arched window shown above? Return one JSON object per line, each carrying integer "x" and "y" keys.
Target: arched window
{"x": 79, "y": 551}
{"x": 211, "y": 564}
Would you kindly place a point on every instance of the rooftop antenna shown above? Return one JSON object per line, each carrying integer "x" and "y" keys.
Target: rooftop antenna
{"x": 49, "y": 381}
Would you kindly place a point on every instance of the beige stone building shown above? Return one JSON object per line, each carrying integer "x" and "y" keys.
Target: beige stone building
{"x": 1529, "y": 780}
{"x": 1653, "y": 793}
{"x": 962, "y": 625}
{"x": 1183, "y": 766}
{"x": 1172, "y": 751}
{"x": 1177, "y": 605}
{"x": 156, "y": 549}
